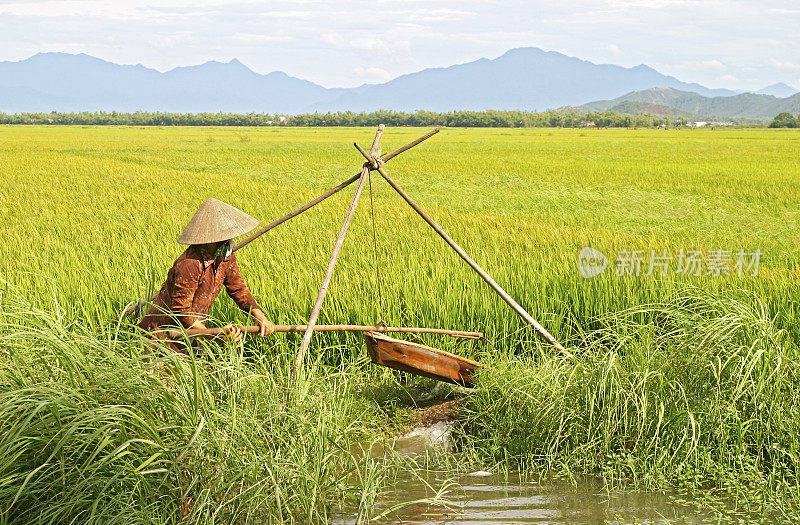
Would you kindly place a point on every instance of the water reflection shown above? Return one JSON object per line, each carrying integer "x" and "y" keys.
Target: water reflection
{"x": 512, "y": 500}
{"x": 488, "y": 499}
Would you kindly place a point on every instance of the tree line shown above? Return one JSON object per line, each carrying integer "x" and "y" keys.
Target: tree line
{"x": 490, "y": 118}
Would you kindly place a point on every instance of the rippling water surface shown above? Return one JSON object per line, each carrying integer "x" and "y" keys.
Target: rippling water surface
{"x": 509, "y": 500}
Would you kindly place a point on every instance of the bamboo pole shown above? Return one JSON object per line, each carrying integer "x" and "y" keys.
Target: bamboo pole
{"x": 485, "y": 276}
{"x": 326, "y": 280}
{"x": 295, "y": 213}
{"x": 337, "y": 248}
{"x": 282, "y": 328}
{"x": 301, "y": 209}
{"x": 376, "y": 142}
{"x": 323, "y": 290}
{"x": 277, "y": 222}
{"x": 398, "y": 151}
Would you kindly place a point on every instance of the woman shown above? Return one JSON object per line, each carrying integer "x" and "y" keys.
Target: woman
{"x": 198, "y": 275}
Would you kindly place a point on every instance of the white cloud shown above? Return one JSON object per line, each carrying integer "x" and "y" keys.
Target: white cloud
{"x": 372, "y": 45}
{"x": 650, "y": 4}
{"x": 171, "y": 40}
{"x": 435, "y": 15}
{"x": 371, "y": 74}
{"x": 784, "y": 64}
{"x": 254, "y": 38}
{"x": 77, "y": 8}
{"x": 614, "y": 49}
{"x": 489, "y": 37}
{"x": 714, "y": 64}
{"x": 368, "y": 46}
{"x": 291, "y": 14}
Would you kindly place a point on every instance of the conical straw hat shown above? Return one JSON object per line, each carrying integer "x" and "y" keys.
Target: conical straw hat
{"x": 216, "y": 221}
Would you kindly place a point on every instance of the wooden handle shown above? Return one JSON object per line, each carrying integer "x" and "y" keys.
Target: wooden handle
{"x": 214, "y": 332}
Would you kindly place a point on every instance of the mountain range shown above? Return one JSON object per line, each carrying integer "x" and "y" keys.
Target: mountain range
{"x": 677, "y": 103}
{"x": 521, "y": 79}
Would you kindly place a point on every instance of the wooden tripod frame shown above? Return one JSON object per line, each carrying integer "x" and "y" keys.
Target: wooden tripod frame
{"x": 375, "y": 162}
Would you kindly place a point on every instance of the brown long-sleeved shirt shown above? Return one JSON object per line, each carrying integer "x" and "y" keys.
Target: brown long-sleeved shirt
{"x": 192, "y": 284}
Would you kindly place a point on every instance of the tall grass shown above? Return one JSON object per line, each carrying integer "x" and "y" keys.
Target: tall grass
{"x": 701, "y": 391}
{"x": 91, "y": 431}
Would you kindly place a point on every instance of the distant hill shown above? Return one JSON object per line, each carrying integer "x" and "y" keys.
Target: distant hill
{"x": 779, "y": 90}
{"x": 749, "y": 106}
{"x": 65, "y": 82}
{"x": 521, "y": 79}
{"x": 632, "y": 107}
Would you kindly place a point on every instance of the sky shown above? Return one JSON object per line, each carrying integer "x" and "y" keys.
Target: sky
{"x": 736, "y": 44}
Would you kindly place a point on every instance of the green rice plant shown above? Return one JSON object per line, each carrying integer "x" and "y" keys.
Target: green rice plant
{"x": 89, "y": 216}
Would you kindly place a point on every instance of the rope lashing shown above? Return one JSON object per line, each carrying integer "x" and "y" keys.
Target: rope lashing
{"x": 375, "y": 161}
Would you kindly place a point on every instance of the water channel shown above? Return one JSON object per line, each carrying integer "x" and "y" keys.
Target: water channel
{"x": 492, "y": 498}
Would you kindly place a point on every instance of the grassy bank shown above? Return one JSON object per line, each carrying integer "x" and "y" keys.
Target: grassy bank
{"x": 92, "y": 430}
{"x": 699, "y": 393}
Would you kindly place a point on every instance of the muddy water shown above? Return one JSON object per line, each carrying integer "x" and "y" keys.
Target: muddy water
{"x": 497, "y": 499}
{"x": 486, "y": 498}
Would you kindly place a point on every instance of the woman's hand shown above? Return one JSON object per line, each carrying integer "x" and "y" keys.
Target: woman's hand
{"x": 233, "y": 333}
{"x": 265, "y": 326}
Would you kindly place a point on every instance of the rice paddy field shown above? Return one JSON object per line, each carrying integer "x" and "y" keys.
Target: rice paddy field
{"x": 682, "y": 369}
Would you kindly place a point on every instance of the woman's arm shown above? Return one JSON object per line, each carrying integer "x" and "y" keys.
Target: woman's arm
{"x": 240, "y": 293}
